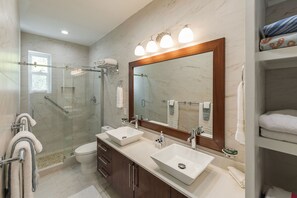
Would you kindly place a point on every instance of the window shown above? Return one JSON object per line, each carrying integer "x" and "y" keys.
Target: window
{"x": 39, "y": 77}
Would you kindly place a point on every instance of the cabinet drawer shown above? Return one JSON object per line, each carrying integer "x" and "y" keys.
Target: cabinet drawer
{"x": 104, "y": 150}
{"x": 102, "y": 162}
{"x": 104, "y": 173}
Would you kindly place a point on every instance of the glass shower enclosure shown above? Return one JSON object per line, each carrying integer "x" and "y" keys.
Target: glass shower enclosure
{"x": 67, "y": 116}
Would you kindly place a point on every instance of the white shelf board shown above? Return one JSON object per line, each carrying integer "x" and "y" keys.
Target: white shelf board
{"x": 277, "y": 54}
{"x": 276, "y": 145}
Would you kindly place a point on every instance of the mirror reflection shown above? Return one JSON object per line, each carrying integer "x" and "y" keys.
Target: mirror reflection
{"x": 177, "y": 93}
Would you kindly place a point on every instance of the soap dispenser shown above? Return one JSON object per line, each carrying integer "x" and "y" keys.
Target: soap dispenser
{"x": 162, "y": 138}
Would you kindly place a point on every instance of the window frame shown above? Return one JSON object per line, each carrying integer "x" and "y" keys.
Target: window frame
{"x": 48, "y": 74}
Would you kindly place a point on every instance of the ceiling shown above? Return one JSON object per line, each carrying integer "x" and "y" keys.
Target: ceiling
{"x": 86, "y": 20}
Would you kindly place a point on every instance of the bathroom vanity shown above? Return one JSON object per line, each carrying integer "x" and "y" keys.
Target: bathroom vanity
{"x": 132, "y": 173}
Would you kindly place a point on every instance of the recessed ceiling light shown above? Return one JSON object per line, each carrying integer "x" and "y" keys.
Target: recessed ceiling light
{"x": 64, "y": 32}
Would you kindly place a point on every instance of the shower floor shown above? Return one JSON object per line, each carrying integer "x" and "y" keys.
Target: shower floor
{"x": 49, "y": 160}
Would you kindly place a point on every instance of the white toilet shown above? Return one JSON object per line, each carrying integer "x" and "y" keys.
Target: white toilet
{"x": 86, "y": 154}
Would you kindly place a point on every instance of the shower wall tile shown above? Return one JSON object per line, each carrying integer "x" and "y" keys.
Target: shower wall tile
{"x": 9, "y": 72}
{"x": 208, "y": 19}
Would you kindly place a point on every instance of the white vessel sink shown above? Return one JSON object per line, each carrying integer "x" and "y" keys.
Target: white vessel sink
{"x": 172, "y": 158}
{"x": 124, "y": 135}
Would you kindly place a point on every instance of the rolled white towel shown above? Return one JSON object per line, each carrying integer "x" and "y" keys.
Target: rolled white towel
{"x": 237, "y": 175}
{"x": 280, "y": 121}
{"x": 32, "y": 122}
{"x": 107, "y": 61}
{"x": 120, "y": 97}
{"x": 240, "y": 128}
{"x": 275, "y": 192}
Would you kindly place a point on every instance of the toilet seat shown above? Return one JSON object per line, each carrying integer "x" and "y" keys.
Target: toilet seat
{"x": 86, "y": 149}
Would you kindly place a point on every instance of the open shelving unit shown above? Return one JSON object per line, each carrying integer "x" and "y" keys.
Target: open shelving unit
{"x": 289, "y": 53}
{"x": 276, "y": 145}
{"x": 261, "y": 152}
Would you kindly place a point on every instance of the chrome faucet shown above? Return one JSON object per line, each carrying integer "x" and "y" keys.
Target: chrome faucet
{"x": 135, "y": 121}
{"x": 192, "y": 138}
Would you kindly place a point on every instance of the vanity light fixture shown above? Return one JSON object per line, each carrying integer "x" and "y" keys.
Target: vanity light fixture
{"x": 64, "y": 32}
{"x": 166, "y": 41}
{"x": 139, "y": 50}
{"x": 185, "y": 35}
{"x": 151, "y": 46}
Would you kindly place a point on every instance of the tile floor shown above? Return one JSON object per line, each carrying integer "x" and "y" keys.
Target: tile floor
{"x": 69, "y": 181}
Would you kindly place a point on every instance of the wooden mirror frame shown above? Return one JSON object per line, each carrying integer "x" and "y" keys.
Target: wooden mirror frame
{"x": 218, "y": 49}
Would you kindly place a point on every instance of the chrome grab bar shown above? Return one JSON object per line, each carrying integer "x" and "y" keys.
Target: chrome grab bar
{"x": 20, "y": 158}
{"x": 54, "y": 103}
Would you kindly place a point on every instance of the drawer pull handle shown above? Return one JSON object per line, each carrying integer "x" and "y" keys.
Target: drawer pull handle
{"x": 102, "y": 173}
{"x": 102, "y": 148}
{"x": 129, "y": 175}
{"x": 133, "y": 181}
{"x": 102, "y": 160}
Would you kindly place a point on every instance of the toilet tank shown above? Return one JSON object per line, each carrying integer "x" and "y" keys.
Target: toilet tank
{"x": 106, "y": 128}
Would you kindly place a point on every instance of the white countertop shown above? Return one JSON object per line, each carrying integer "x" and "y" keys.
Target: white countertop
{"x": 213, "y": 182}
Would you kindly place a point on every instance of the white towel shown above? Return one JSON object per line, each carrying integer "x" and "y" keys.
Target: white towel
{"x": 107, "y": 62}
{"x": 32, "y": 122}
{"x": 280, "y": 121}
{"x": 275, "y": 192}
{"x": 287, "y": 137}
{"x": 16, "y": 182}
{"x": 172, "y": 120}
{"x": 205, "y": 124}
{"x": 120, "y": 97}
{"x": 237, "y": 175}
{"x": 239, "y": 134}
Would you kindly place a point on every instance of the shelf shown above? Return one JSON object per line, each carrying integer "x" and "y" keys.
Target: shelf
{"x": 276, "y": 145}
{"x": 277, "y": 54}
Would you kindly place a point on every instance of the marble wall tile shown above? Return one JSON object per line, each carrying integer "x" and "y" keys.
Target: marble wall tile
{"x": 208, "y": 19}
{"x": 9, "y": 72}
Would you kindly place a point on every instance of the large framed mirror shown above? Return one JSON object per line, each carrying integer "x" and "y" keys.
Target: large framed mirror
{"x": 180, "y": 91}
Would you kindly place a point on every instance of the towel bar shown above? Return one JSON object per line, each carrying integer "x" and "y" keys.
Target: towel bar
{"x": 20, "y": 158}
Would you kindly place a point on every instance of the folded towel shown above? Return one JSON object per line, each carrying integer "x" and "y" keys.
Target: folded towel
{"x": 172, "y": 120}
{"x": 120, "y": 97}
{"x": 286, "y": 137}
{"x": 206, "y": 111}
{"x": 284, "y": 26}
{"x": 281, "y": 41}
{"x": 280, "y": 121}
{"x": 171, "y": 107}
{"x": 275, "y": 192}
{"x": 239, "y": 134}
{"x": 237, "y": 175}
{"x": 206, "y": 124}
{"x": 30, "y": 123}
{"x": 107, "y": 62}
{"x": 21, "y": 180}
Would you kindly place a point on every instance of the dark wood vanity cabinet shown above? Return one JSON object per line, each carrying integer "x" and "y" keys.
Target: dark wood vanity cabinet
{"x": 104, "y": 160}
{"x": 122, "y": 175}
{"x": 175, "y": 194}
{"x": 147, "y": 185}
{"x": 127, "y": 178}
